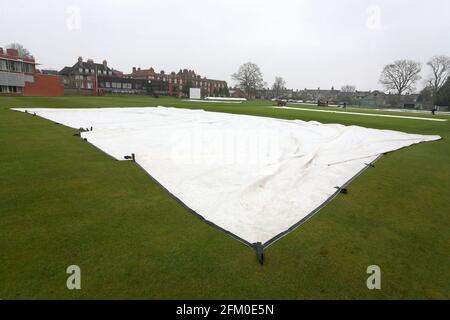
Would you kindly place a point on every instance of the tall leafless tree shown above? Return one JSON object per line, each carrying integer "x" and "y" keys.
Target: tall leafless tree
{"x": 249, "y": 78}
{"x": 278, "y": 86}
{"x": 348, "y": 89}
{"x": 440, "y": 71}
{"x": 23, "y": 52}
{"x": 347, "y": 92}
{"x": 401, "y": 75}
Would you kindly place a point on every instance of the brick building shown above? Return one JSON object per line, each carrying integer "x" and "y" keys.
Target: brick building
{"x": 90, "y": 78}
{"x": 81, "y": 78}
{"x": 44, "y": 85}
{"x": 121, "y": 85}
{"x": 19, "y": 77}
{"x": 15, "y": 71}
{"x": 182, "y": 81}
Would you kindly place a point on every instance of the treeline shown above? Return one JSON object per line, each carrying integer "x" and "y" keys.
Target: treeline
{"x": 399, "y": 78}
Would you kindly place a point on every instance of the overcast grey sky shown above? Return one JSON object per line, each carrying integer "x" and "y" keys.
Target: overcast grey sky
{"x": 310, "y": 43}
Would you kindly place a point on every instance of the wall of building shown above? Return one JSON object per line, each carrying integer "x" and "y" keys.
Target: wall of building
{"x": 45, "y": 86}
{"x": 15, "y": 71}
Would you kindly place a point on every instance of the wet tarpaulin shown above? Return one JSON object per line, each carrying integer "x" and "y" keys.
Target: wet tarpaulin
{"x": 255, "y": 178}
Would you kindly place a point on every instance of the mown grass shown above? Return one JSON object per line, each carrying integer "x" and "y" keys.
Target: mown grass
{"x": 64, "y": 202}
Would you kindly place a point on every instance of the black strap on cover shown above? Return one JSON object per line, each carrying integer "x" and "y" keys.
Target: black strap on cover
{"x": 259, "y": 252}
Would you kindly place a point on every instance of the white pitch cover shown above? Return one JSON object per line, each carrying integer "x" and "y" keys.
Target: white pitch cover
{"x": 255, "y": 177}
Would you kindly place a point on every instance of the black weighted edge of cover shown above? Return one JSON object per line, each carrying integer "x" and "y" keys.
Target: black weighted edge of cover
{"x": 258, "y": 247}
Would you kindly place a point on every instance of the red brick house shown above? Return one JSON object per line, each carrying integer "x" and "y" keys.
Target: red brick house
{"x": 183, "y": 79}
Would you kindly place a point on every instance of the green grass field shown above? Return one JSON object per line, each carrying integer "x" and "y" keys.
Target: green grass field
{"x": 64, "y": 202}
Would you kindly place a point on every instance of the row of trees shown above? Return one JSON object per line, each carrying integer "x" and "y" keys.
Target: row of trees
{"x": 400, "y": 77}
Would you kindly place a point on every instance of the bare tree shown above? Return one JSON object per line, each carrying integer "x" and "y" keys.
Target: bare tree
{"x": 249, "y": 78}
{"x": 278, "y": 86}
{"x": 440, "y": 71}
{"x": 401, "y": 76}
{"x": 348, "y": 89}
{"x": 23, "y": 52}
{"x": 347, "y": 92}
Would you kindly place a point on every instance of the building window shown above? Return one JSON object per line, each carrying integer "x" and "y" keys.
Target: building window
{"x": 28, "y": 68}
{"x": 108, "y": 84}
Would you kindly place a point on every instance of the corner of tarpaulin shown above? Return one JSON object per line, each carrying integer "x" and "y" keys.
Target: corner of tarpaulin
{"x": 259, "y": 248}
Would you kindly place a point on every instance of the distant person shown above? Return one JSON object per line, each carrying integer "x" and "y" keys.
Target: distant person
{"x": 433, "y": 111}
{"x": 345, "y": 105}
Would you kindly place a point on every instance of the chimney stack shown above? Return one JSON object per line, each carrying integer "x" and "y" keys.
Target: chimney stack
{"x": 105, "y": 63}
{"x": 134, "y": 69}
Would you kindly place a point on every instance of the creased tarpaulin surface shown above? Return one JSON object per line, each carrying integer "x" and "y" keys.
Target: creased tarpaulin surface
{"x": 252, "y": 176}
